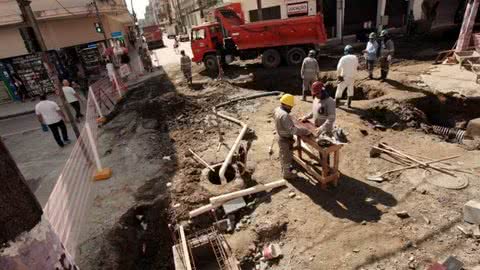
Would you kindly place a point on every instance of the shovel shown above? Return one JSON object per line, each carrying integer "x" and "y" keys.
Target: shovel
{"x": 380, "y": 177}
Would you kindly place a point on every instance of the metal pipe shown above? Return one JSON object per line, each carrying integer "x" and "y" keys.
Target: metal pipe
{"x": 235, "y": 145}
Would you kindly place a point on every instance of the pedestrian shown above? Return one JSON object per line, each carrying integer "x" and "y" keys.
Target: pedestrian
{"x": 387, "y": 49}
{"x": 186, "y": 66}
{"x": 49, "y": 113}
{"x": 21, "y": 90}
{"x": 371, "y": 53}
{"x": 110, "y": 70}
{"x": 323, "y": 110}
{"x": 175, "y": 45}
{"x": 309, "y": 72}
{"x": 285, "y": 131}
{"x": 346, "y": 71}
{"x": 73, "y": 98}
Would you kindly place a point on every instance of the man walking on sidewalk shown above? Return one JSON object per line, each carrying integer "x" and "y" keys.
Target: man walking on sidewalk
{"x": 73, "y": 98}
{"x": 49, "y": 114}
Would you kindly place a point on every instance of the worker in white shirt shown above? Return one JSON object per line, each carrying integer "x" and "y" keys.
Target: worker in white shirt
{"x": 347, "y": 69}
{"x": 50, "y": 114}
{"x": 73, "y": 98}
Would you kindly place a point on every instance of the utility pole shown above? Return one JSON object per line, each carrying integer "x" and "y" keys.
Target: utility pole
{"x": 99, "y": 21}
{"x": 23, "y": 230}
{"x": 31, "y": 21}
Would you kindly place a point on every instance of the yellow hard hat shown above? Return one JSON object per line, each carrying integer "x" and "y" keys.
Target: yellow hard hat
{"x": 288, "y": 99}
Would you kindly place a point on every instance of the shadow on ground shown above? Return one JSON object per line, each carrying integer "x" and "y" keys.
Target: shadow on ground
{"x": 352, "y": 199}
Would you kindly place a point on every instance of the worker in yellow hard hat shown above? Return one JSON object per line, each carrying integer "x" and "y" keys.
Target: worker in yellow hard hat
{"x": 285, "y": 131}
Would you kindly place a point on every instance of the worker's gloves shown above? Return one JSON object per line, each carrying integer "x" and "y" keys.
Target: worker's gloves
{"x": 389, "y": 58}
{"x": 340, "y": 78}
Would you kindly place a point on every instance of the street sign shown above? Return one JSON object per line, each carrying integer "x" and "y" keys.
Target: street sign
{"x": 297, "y": 9}
{"x": 117, "y": 34}
{"x": 92, "y": 46}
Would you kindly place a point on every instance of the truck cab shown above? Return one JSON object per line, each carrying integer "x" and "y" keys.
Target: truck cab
{"x": 207, "y": 41}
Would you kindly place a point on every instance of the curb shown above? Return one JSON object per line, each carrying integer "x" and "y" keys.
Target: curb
{"x": 2, "y": 117}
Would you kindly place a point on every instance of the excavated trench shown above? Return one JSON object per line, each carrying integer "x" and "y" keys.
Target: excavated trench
{"x": 436, "y": 114}
{"x": 288, "y": 80}
{"x": 142, "y": 239}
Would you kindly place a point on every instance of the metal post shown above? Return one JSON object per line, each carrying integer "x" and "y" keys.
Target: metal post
{"x": 28, "y": 15}
{"x": 99, "y": 20}
{"x": 102, "y": 173}
{"x": 260, "y": 12}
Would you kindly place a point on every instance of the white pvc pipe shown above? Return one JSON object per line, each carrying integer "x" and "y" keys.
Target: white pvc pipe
{"x": 234, "y": 147}
{"x": 99, "y": 111}
{"x": 93, "y": 145}
{"x": 219, "y": 200}
{"x": 233, "y": 195}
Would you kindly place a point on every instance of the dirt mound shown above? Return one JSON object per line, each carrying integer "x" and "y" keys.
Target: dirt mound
{"x": 390, "y": 112}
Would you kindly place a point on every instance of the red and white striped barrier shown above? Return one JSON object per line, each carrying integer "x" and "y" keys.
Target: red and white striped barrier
{"x": 73, "y": 191}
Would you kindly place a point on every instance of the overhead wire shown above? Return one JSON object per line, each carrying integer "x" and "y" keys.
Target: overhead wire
{"x": 71, "y": 13}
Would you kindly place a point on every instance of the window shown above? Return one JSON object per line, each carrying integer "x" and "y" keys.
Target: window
{"x": 198, "y": 34}
{"x": 271, "y": 13}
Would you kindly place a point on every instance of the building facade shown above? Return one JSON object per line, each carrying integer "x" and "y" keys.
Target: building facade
{"x": 69, "y": 33}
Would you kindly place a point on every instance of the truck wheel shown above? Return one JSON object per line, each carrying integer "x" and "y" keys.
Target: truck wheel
{"x": 271, "y": 58}
{"x": 295, "y": 56}
{"x": 210, "y": 62}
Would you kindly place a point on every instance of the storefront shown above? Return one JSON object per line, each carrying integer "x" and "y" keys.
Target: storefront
{"x": 7, "y": 88}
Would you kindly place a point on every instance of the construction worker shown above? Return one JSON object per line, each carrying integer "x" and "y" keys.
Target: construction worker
{"x": 285, "y": 131}
{"x": 309, "y": 72}
{"x": 323, "y": 110}
{"x": 186, "y": 66}
{"x": 387, "y": 49}
{"x": 371, "y": 53}
{"x": 346, "y": 71}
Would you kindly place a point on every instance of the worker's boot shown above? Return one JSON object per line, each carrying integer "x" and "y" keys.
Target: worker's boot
{"x": 349, "y": 102}
{"x": 384, "y": 73}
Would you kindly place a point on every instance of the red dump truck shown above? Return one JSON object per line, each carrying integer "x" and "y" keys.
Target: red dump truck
{"x": 154, "y": 37}
{"x": 230, "y": 37}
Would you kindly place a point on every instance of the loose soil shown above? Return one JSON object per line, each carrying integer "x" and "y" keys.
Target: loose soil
{"x": 353, "y": 226}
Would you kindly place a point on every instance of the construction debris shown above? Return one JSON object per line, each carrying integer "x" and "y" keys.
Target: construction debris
{"x": 471, "y": 212}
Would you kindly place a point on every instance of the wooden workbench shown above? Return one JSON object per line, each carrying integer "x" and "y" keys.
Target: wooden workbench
{"x": 322, "y": 165}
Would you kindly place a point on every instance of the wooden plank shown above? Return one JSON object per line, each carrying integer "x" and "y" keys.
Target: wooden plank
{"x": 186, "y": 255}
{"x": 336, "y": 161}
{"x": 307, "y": 167}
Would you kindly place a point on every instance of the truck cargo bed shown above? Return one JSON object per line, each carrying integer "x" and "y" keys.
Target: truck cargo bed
{"x": 272, "y": 33}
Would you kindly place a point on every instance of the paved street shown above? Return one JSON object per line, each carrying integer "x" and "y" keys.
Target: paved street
{"x": 20, "y": 124}
{"x": 166, "y": 56}
{"x": 38, "y": 156}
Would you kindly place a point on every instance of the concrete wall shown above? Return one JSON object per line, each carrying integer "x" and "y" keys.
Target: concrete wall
{"x": 12, "y": 43}
{"x": 71, "y": 32}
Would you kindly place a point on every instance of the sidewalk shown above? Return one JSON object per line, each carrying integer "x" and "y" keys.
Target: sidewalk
{"x": 16, "y": 108}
